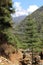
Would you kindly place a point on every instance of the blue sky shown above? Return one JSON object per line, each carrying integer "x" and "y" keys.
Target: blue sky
{"x": 24, "y": 7}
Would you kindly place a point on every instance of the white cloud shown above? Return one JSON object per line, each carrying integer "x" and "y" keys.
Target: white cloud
{"x": 32, "y": 8}
{"x": 20, "y": 11}
{"x": 17, "y": 6}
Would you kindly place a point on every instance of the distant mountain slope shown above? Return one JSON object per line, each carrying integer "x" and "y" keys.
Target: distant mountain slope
{"x": 38, "y": 17}
{"x": 17, "y": 20}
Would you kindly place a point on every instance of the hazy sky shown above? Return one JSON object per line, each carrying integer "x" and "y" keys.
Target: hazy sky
{"x": 25, "y": 7}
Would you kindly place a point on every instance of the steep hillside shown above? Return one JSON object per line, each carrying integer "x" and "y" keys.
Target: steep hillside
{"x": 37, "y": 16}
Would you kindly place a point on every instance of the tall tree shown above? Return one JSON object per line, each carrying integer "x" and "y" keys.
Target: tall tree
{"x": 5, "y": 20}
{"x": 31, "y": 34}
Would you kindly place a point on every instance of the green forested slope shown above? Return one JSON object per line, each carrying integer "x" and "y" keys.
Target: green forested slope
{"x": 32, "y": 27}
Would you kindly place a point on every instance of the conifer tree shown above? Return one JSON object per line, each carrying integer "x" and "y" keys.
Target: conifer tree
{"x": 5, "y": 21}
{"x": 31, "y": 35}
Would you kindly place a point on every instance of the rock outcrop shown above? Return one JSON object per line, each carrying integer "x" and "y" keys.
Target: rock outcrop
{"x": 21, "y": 58}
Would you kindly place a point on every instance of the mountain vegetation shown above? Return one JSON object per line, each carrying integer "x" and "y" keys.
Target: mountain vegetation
{"x": 6, "y": 21}
{"x": 32, "y": 27}
{"x": 27, "y": 35}
{"x": 7, "y": 38}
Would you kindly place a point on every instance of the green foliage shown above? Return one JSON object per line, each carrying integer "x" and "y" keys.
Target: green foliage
{"x": 32, "y": 27}
{"x": 31, "y": 34}
{"x": 6, "y": 21}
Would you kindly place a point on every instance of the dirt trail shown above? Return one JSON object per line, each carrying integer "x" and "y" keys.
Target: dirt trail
{"x": 4, "y": 61}
{"x": 14, "y": 59}
{"x": 41, "y": 62}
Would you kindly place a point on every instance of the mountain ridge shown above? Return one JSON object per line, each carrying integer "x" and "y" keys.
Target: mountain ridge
{"x": 37, "y": 15}
{"x": 19, "y": 18}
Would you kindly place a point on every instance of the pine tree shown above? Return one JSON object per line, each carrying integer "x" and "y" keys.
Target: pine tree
{"x": 31, "y": 35}
{"x": 6, "y": 21}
